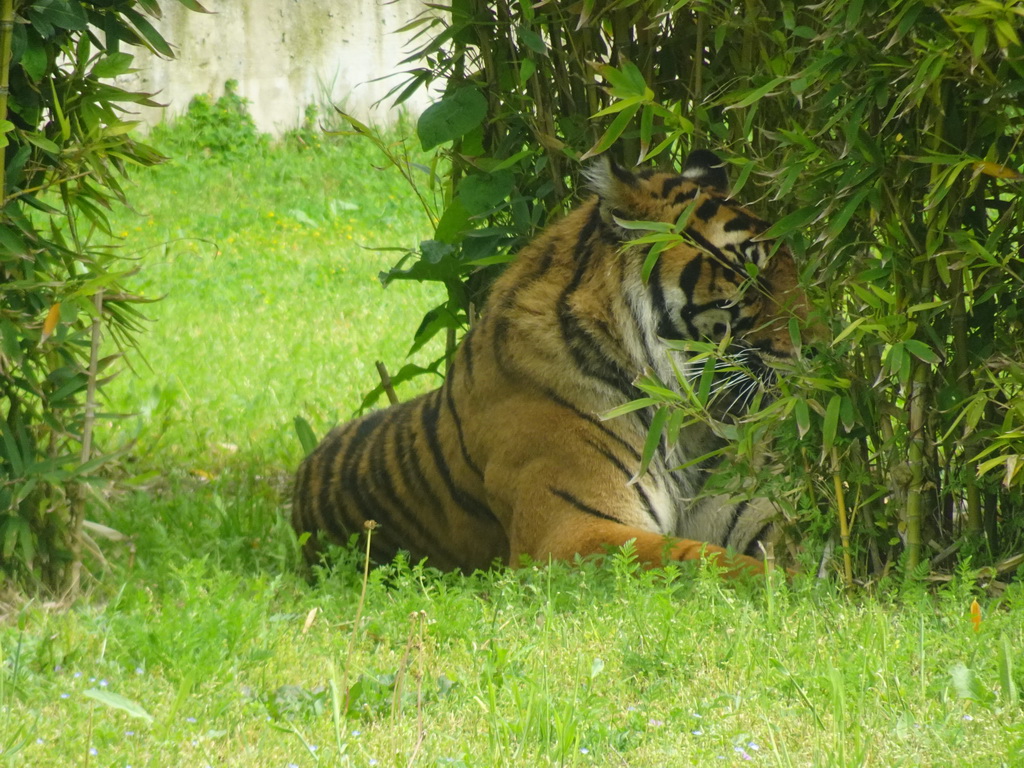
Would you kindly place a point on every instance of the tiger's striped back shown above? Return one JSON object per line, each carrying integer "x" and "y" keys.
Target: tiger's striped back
{"x": 510, "y": 456}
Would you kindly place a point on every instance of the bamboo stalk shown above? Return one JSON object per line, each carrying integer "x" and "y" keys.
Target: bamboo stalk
{"x": 915, "y": 492}
{"x": 844, "y": 522}
{"x": 6, "y": 36}
{"x": 77, "y": 506}
{"x": 958, "y": 321}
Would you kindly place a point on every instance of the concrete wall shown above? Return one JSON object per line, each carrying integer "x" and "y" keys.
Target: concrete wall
{"x": 285, "y": 55}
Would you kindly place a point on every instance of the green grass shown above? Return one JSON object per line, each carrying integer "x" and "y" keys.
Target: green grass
{"x": 226, "y": 656}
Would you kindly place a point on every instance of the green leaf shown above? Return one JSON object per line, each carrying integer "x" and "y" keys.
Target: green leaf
{"x": 758, "y": 93}
{"x": 1005, "y": 663}
{"x": 482, "y": 192}
{"x": 966, "y": 684}
{"x": 830, "y": 425}
{"x": 34, "y": 60}
{"x": 193, "y": 5}
{"x": 117, "y": 701}
{"x": 798, "y": 219}
{"x": 42, "y": 142}
{"x": 113, "y": 65}
{"x": 452, "y": 117}
{"x": 802, "y": 414}
{"x": 627, "y": 82}
{"x": 453, "y": 223}
{"x": 652, "y": 258}
{"x": 61, "y": 14}
{"x": 630, "y": 407}
{"x": 307, "y": 438}
{"x": 618, "y": 125}
{"x": 532, "y": 40}
{"x": 526, "y": 70}
{"x": 652, "y": 442}
{"x": 922, "y": 351}
{"x": 11, "y": 450}
{"x": 838, "y": 223}
{"x": 149, "y": 32}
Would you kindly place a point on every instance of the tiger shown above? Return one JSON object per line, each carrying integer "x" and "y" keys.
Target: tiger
{"x": 509, "y": 460}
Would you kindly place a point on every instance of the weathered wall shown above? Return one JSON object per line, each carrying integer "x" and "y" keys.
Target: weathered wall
{"x": 285, "y": 55}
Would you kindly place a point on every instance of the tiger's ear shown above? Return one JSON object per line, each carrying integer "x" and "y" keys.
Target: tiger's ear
{"x": 609, "y": 179}
{"x": 707, "y": 170}
{"x": 615, "y": 186}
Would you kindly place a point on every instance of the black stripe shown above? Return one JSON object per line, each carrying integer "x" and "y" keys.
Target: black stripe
{"x": 685, "y": 196}
{"x": 707, "y": 245}
{"x": 753, "y": 550}
{"x": 450, "y": 402}
{"x": 628, "y": 475}
{"x": 709, "y": 208}
{"x": 467, "y": 353}
{"x": 409, "y": 459}
{"x": 467, "y": 501}
{"x": 505, "y": 305}
{"x": 332, "y": 507}
{"x": 591, "y": 419}
{"x": 585, "y": 349}
{"x": 419, "y": 488}
{"x": 734, "y": 520}
{"x": 566, "y": 496}
{"x": 671, "y": 183}
{"x": 370, "y": 445}
{"x": 729, "y": 266}
{"x": 740, "y": 221}
{"x": 666, "y": 326}
{"x": 396, "y": 441}
{"x": 641, "y": 323}
{"x": 378, "y": 481}
{"x": 622, "y": 174}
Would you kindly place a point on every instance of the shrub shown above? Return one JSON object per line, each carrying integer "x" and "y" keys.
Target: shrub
{"x": 885, "y": 141}
{"x": 66, "y": 147}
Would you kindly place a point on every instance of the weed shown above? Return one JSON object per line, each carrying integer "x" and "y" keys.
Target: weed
{"x": 221, "y": 128}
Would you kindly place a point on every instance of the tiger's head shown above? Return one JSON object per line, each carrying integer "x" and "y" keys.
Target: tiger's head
{"x": 719, "y": 280}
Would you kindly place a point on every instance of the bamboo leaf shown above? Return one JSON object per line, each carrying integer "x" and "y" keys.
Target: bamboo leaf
{"x": 630, "y": 407}
{"x": 802, "y": 413}
{"x": 997, "y": 171}
{"x": 52, "y": 318}
{"x": 792, "y": 221}
{"x": 757, "y": 93}
{"x": 613, "y": 132}
{"x": 193, "y": 5}
{"x": 830, "y": 424}
{"x": 654, "y": 435}
{"x": 922, "y": 351}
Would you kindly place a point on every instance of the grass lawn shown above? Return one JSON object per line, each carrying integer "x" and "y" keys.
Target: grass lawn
{"x": 202, "y": 644}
